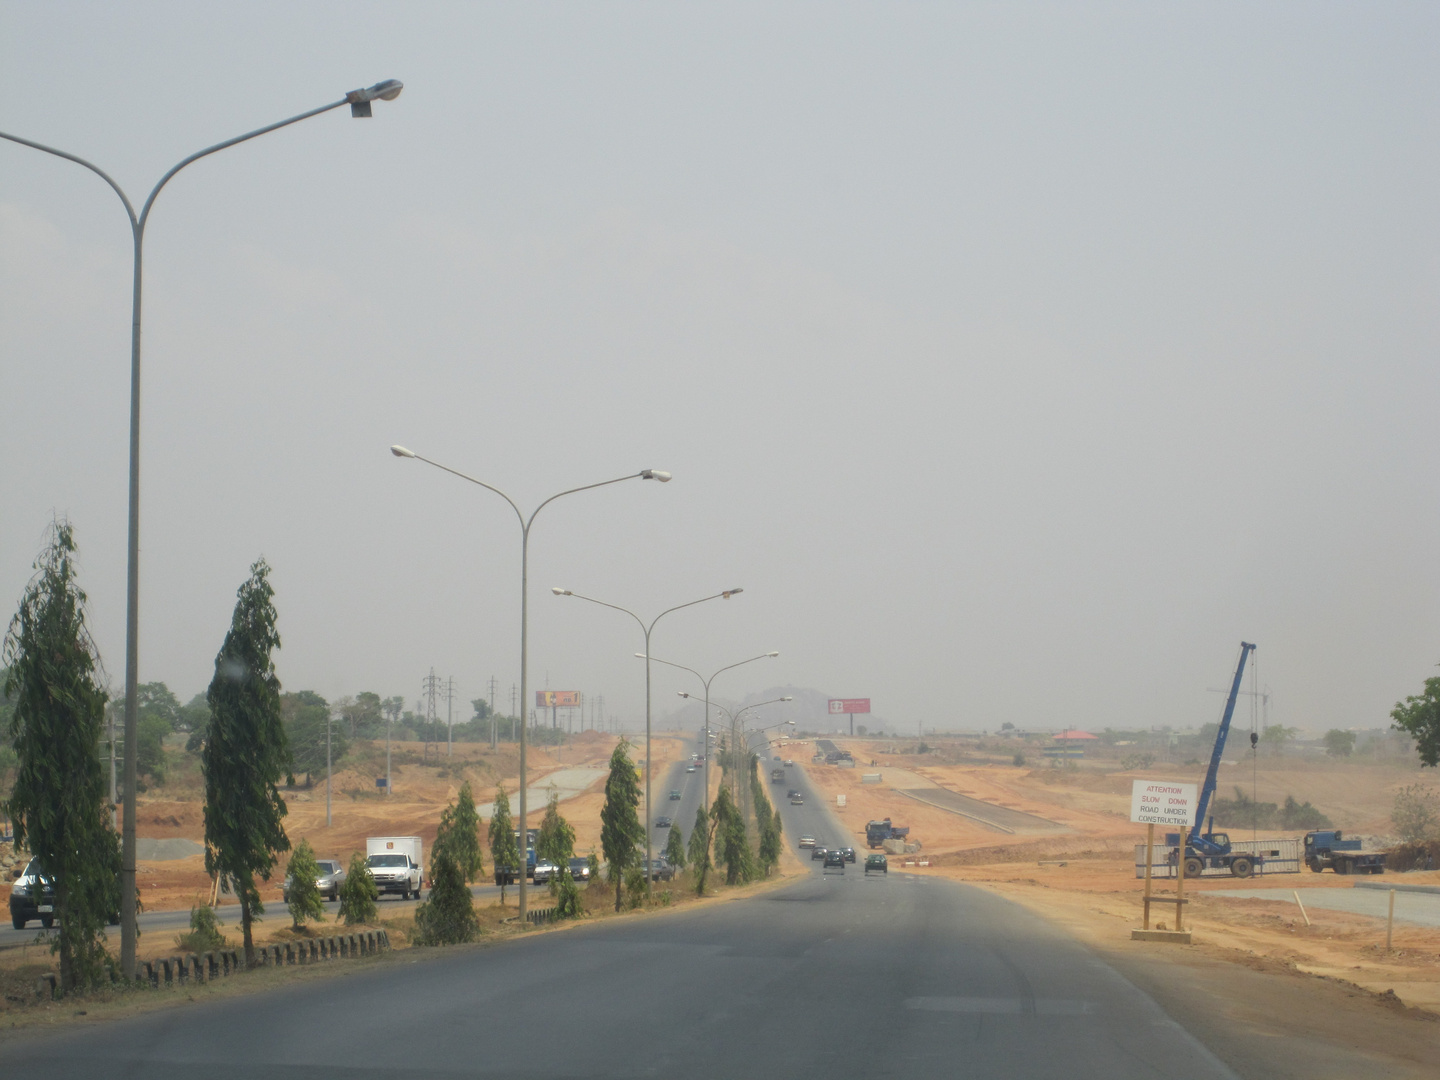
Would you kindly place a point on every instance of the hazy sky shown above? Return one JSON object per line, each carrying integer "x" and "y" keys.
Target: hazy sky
{"x": 1017, "y": 361}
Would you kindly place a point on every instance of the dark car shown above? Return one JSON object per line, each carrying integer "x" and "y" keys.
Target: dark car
{"x": 848, "y": 852}
{"x": 660, "y": 870}
{"x": 797, "y": 800}
{"x": 25, "y": 905}
{"x": 876, "y": 862}
{"x": 580, "y": 869}
{"x": 663, "y": 823}
{"x": 817, "y": 852}
{"x": 792, "y": 793}
{"x": 675, "y": 795}
{"x": 834, "y": 858}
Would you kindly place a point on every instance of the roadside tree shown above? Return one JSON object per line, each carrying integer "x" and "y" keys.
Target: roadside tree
{"x": 732, "y": 849}
{"x": 448, "y": 916}
{"x": 504, "y": 851}
{"x": 460, "y": 832}
{"x": 303, "y": 897}
{"x": 1339, "y": 743}
{"x": 58, "y": 799}
{"x": 358, "y": 893}
{"x": 675, "y": 848}
{"x": 246, "y": 755}
{"x": 621, "y": 832}
{"x": 699, "y": 850}
{"x": 555, "y": 841}
{"x": 1420, "y": 716}
{"x": 1416, "y": 813}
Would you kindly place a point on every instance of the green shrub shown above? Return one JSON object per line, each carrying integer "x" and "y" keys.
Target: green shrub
{"x": 448, "y": 916}
{"x": 358, "y": 893}
{"x": 635, "y": 878}
{"x": 204, "y": 934}
{"x": 567, "y": 896}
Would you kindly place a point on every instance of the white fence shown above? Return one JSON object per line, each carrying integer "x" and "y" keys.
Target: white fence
{"x": 1274, "y": 857}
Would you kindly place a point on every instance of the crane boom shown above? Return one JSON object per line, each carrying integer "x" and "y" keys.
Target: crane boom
{"x": 1211, "y": 775}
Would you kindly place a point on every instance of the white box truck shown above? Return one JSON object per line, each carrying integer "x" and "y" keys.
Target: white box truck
{"x": 396, "y": 864}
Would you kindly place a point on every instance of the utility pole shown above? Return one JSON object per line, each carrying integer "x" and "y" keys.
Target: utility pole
{"x": 432, "y": 685}
{"x": 114, "y": 811}
{"x": 450, "y": 717}
{"x": 329, "y": 717}
{"x": 492, "y": 712}
{"x": 514, "y": 716}
{"x": 389, "y": 723}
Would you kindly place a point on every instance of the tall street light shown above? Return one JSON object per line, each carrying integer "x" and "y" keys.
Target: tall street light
{"x": 525, "y": 523}
{"x": 705, "y": 744}
{"x": 647, "y": 631}
{"x": 359, "y": 102}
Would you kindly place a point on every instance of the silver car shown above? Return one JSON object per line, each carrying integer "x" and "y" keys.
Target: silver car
{"x": 544, "y": 871}
{"x": 328, "y": 881}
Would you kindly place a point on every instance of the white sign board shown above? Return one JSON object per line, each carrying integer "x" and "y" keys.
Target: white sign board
{"x": 1157, "y": 802}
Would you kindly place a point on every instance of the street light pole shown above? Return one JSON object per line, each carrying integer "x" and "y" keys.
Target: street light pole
{"x": 705, "y": 742}
{"x": 359, "y": 102}
{"x": 735, "y": 728}
{"x": 525, "y": 523}
{"x": 725, "y": 595}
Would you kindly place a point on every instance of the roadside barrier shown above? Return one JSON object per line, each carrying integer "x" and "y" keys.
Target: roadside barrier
{"x": 537, "y": 916}
{"x": 222, "y": 963}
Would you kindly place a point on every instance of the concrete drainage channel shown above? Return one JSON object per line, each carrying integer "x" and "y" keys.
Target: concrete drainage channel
{"x": 206, "y": 966}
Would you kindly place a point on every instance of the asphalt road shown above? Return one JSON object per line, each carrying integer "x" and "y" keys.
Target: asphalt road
{"x": 833, "y": 976}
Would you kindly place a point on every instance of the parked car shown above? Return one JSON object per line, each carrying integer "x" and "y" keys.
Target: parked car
{"x": 848, "y": 852}
{"x": 328, "y": 881}
{"x": 876, "y": 862}
{"x": 675, "y": 795}
{"x": 807, "y": 841}
{"x": 660, "y": 870}
{"x": 663, "y": 823}
{"x": 833, "y": 858}
{"x": 544, "y": 871}
{"x": 817, "y": 852}
{"x": 580, "y": 869}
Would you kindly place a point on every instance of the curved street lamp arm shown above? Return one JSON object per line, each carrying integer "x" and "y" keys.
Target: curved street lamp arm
{"x": 79, "y": 161}
{"x": 614, "y": 607}
{"x": 587, "y": 487}
{"x": 726, "y": 595}
{"x": 682, "y": 667}
{"x": 482, "y": 483}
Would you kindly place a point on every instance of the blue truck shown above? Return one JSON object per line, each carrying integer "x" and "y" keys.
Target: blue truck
{"x": 1329, "y": 848}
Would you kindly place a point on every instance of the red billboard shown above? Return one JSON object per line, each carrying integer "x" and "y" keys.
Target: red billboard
{"x": 561, "y": 699}
{"x": 849, "y": 705}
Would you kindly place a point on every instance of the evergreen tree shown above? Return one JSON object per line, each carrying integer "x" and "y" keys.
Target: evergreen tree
{"x": 303, "y": 897}
{"x": 770, "y": 843}
{"x": 448, "y": 916}
{"x": 732, "y": 848}
{"x": 58, "y": 799}
{"x": 675, "y": 848}
{"x": 460, "y": 832}
{"x": 504, "y": 851}
{"x": 358, "y": 893}
{"x": 699, "y": 850}
{"x": 245, "y": 754}
{"x": 567, "y": 895}
{"x": 555, "y": 842}
{"x": 621, "y": 833}
{"x": 1420, "y": 716}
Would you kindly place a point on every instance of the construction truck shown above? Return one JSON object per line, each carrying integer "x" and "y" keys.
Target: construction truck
{"x": 777, "y": 776}
{"x": 877, "y": 832}
{"x": 1329, "y": 848}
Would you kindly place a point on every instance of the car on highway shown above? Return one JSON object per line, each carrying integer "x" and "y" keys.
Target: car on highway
{"x": 25, "y": 904}
{"x": 787, "y": 763}
{"x": 807, "y": 841}
{"x": 690, "y": 767}
{"x": 328, "y": 881}
{"x": 848, "y": 852}
{"x": 674, "y": 794}
{"x": 544, "y": 871}
{"x": 777, "y": 757}
{"x": 792, "y": 793}
{"x": 661, "y": 870}
{"x": 833, "y": 858}
{"x": 817, "y": 852}
{"x": 580, "y": 869}
{"x": 797, "y": 800}
{"x": 876, "y": 862}
{"x": 663, "y": 823}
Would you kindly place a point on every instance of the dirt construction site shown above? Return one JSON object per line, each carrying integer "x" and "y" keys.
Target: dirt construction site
{"x": 1058, "y": 839}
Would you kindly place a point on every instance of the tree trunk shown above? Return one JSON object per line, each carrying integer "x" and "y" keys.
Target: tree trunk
{"x": 245, "y": 927}
{"x": 619, "y": 883}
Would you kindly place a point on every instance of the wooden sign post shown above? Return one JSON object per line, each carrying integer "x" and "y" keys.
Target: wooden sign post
{"x": 1158, "y": 802}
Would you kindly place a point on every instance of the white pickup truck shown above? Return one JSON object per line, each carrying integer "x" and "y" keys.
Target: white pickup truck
{"x": 395, "y": 863}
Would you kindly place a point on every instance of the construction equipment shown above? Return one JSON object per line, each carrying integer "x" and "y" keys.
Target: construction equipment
{"x": 1329, "y": 848}
{"x": 1213, "y": 849}
{"x": 877, "y": 832}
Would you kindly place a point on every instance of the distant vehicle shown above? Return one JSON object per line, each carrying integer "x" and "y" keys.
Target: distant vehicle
{"x": 797, "y": 800}
{"x": 505, "y": 875}
{"x": 580, "y": 869}
{"x": 690, "y": 767}
{"x": 877, "y": 832}
{"x": 777, "y": 776}
{"x": 817, "y": 852}
{"x": 792, "y": 793}
{"x": 777, "y": 757}
{"x": 660, "y": 870}
{"x": 833, "y": 858}
{"x": 787, "y": 763}
{"x": 663, "y": 823}
{"x": 1329, "y": 848}
{"x": 395, "y": 863}
{"x": 675, "y": 795}
{"x": 807, "y": 841}
{"x": 877, "y": 863}
{"x": 25, "y": 905}
{"x": 544, "y": 871}
{"x": 848, "y": 852}
{"x": 328, "y": 881}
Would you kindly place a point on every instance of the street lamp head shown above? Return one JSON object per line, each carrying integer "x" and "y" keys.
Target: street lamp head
{"x": 772, "y": 654}
{"x": 639, "y": 656}
{"x": 787, "y": 697}
{"x": 360, "y": 100}
{"x": 561, "y": 592}
{"x": 655, "y": 474}
{"x": 400, "y": 451}
{"x": 682, "y": 693}
{"x": 730, "y": 592}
